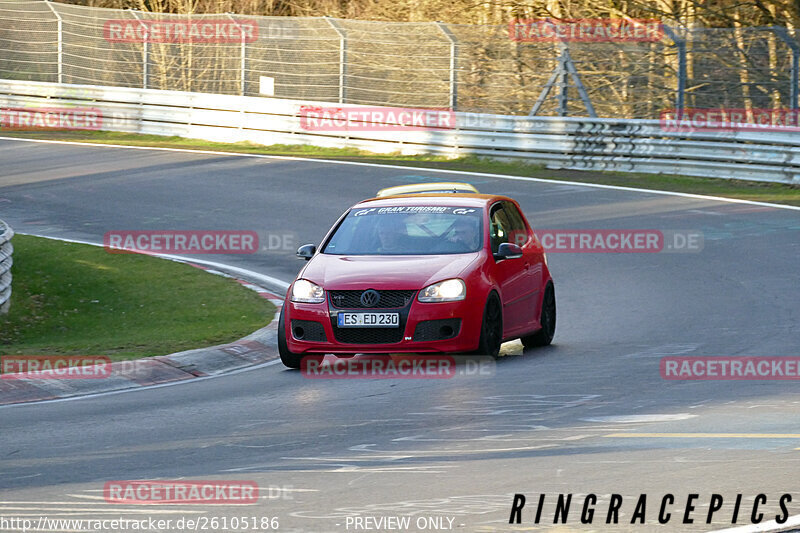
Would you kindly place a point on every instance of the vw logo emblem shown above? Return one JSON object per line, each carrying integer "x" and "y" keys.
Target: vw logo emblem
{"x": 370, "y": 298}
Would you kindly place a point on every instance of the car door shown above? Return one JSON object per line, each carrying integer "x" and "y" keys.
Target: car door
{"x": 510, "y": 274}
{"x": 533, "y": 257}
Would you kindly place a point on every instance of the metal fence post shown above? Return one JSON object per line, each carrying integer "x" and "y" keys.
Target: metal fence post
{"x": 243, "y": 56}
{"x": 60, "y": 42}
{"x": 562, "y": 97}
{"x": 145, "y": 50}
{"x": 794, "y": 90}
{"x": 680, "y": 44}
{"x": 565, "y": 70}
{"x": 453, "y": 64}
{"x": 342, "y": 57}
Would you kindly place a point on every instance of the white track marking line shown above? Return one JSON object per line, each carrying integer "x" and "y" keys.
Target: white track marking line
{"x": 146, "y": 387}
{"x": 272, "y": 283}
{"x": 424, "y": 169}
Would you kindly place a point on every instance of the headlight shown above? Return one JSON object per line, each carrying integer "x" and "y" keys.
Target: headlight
{"x": 307, "y": 292}
{"x": 450, "y": 290}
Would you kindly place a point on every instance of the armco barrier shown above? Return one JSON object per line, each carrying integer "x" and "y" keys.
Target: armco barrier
{"x": 6, "y": 249}
{"x": 556, "y": 142}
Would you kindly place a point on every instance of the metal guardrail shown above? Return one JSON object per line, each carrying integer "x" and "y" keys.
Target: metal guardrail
{"x": 558, "y": 143}
{"x": 6, "y": 249}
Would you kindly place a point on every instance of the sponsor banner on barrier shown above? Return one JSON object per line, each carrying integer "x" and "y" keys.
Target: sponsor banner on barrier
{"x": 618, "y": 240}
{"x": 730, "y": 119}
{"x": 180, "y": 31}
{"x": 54, "y": 367}
{"x": 317, "y": 118}
{"x": 182, "y": 241}
{"x": 50, "y": 118}
{"x": 181, "y": 492}
{"x": 588, "y": 30}
{"x": 397, "y": 367}
{"x": 727, "y": 368}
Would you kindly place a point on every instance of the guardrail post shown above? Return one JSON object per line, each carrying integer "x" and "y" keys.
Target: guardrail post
{"x": 60, "y": 42}
{"x": 453, "y": 63}
{"x": 342, "y": 57}
{"x": 145, "y": 50}
{"x": 794, "y": 90}
{"x": 680, "y": 44}
{"x": 6, "y": 249}
{"x": 242, "y": 58}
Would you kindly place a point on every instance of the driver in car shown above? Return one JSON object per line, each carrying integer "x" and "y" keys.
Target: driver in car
{"x": 389, "y": 234}
{"x": 463, "y": 235}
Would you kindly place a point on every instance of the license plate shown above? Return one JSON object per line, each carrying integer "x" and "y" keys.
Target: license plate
{"x": 369, "y": 320}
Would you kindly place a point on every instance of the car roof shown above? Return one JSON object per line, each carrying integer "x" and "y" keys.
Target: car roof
{"x": 443, "y": 199}
{"x": 449, "y": 187}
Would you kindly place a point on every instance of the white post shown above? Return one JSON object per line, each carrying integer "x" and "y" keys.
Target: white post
{"x": 243, "y": 56}
{"x": 145, "y": 50}
{"x": 342, "y": 58}
{"x": 453, "y": 63}
{"x": 60, "y": 42}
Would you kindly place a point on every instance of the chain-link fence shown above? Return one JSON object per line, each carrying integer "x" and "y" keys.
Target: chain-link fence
{"x": 477, "y": 68}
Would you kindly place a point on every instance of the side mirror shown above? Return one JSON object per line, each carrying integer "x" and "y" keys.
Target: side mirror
{"x": 508, "y": 250}
{"x": 306, "y": 251}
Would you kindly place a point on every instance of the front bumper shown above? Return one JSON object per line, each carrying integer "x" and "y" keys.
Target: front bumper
{"x": 442, "y": 327}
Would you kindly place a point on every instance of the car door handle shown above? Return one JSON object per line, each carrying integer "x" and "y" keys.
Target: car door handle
{"x": 527, "y": 266}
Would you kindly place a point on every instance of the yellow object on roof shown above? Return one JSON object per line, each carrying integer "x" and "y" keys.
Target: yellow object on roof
{"x": 422, "y": 188}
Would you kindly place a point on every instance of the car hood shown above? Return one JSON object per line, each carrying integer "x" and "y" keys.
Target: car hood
{"x": 409, "y": 272}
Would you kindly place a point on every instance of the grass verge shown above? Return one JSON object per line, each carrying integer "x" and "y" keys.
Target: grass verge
{"x": 740, "y": 189}
{"x": 75, "y": 299}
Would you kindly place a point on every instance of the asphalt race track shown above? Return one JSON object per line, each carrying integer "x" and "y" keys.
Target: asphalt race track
{"x": 590, "y": 414}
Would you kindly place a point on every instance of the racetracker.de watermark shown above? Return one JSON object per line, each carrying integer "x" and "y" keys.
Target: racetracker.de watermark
{"x": 50, "y": 118}
{"x": 397, "y": 367}
{"x": 727, "y": 368}
{"x": 182, "y": 241}
{"x": 180, "y": 31}
{"x": 588, "y": 30}
{"x": 181, "y": 492}
{"x": 317, "y": 118}
{"x": 54, "y": 367}
{"x": 730, "y": 119}
{"x": 618, "y": 240}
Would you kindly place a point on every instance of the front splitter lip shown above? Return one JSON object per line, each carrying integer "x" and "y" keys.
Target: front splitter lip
{"x": 409, "y": 347}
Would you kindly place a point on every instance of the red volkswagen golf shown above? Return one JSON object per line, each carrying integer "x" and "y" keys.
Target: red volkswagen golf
{"x": 434, "y": 271}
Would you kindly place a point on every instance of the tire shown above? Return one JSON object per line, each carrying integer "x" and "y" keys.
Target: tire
{"x": 545, "y": 335}
{"x": 491, "y": 327}
{"x": 290, "y": 359}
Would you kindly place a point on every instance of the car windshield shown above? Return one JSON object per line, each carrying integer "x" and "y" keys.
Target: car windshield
{"x": 408, "y": 230}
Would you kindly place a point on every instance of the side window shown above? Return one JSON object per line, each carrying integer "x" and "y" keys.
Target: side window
{"x": 518, "y": 233}
{"x": 499, "y": 227}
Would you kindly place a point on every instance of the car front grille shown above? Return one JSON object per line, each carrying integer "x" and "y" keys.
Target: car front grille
{"x": 389, "y": 299}
{"x": 368, "y": 335}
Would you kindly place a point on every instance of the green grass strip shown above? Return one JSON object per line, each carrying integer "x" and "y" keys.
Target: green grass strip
{"x": 76, "y": 299}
